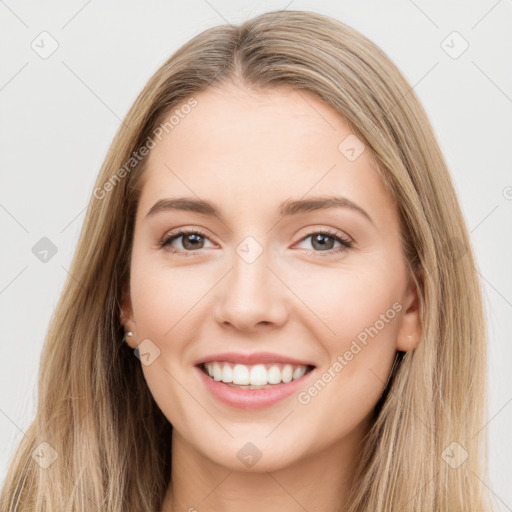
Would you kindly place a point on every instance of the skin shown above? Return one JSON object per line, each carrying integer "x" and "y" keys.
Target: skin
{"x": 247, "y": 152}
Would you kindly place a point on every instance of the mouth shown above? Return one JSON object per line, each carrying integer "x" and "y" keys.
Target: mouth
{"x": 255, "y": 376}
{"x": 253, "y": 387}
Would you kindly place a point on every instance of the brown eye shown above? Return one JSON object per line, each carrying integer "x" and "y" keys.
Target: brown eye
{"x": 323, "y": 242}
{"x": 191, "y": 241}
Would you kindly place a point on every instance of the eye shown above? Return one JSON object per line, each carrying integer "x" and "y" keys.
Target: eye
{"x": 193, "y": 240}
{"x": 324, "y": 241}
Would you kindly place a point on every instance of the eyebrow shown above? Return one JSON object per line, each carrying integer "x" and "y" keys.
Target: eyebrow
{"x": 290, "y": 207}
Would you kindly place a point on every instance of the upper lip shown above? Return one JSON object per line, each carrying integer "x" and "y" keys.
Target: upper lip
{"x": 254, "y": 358}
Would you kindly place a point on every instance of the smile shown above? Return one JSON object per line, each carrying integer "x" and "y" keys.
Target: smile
{"x": 253, "y": 387}
{"x": 254, "y": 376}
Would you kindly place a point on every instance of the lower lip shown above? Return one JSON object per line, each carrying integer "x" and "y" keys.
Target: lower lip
{"x": 251, "y": 399}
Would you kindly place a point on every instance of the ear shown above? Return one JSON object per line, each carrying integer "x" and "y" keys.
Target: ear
{"x": 409, "y": 333}
{"x": 127, "y": 319}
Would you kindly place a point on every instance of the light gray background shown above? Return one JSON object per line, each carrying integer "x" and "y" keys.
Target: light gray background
{"x": 58, "y": 116}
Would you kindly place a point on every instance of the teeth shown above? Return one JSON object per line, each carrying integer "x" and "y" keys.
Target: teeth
{"x": 240, "y": 374}
{"x": 217, "y": 372}
{"x": 256, "y": 375}
{"x": 227, "y": 374}
{"x": 298, "y": 372}
{"x": 274, "y": 375}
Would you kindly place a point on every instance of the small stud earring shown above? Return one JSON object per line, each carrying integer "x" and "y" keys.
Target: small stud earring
{"x": 128, "y": 334}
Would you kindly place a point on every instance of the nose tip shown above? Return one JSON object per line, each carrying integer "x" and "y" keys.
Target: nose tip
{"x": 251, "y": 297}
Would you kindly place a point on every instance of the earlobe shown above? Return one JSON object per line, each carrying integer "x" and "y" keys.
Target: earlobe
{"x": 130, "y": 339}
{"x": 410, "y": 343}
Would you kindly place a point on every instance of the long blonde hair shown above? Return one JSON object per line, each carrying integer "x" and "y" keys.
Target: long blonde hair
{"x": 95, "y": 412}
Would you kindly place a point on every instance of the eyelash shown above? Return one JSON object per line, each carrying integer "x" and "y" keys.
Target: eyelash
{"x": 345, "y": 243}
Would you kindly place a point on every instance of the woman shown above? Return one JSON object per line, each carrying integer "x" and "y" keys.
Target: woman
{"x": 273, "y": 304}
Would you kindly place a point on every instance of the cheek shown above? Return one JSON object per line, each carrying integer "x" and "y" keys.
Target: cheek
{"x": 359, "y": 313}
{"x": 350, "y": 303}
{"x": 162, "y": 297}
{"x": 163, "y": 302}
{"x": 362, "y": 313}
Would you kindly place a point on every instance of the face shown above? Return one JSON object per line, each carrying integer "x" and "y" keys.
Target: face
{"x": 325, "y": 285}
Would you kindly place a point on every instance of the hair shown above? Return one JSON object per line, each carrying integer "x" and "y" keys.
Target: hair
{"x": 113, "y": 443}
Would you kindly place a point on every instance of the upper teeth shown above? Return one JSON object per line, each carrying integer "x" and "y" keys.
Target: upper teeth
{"x": 257, "y": 375}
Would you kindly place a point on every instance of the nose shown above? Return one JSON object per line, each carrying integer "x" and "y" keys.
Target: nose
{"x": 251, "y": 296}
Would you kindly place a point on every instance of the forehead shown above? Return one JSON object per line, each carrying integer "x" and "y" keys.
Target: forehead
{"x": 259, "y": 148}
{"x": 233, "y": 123}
